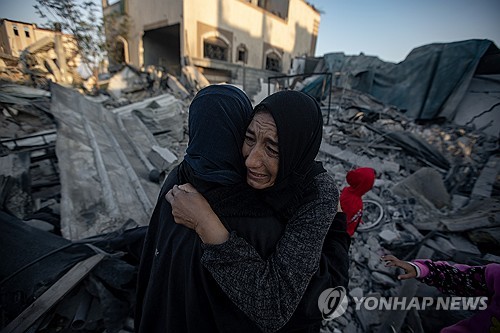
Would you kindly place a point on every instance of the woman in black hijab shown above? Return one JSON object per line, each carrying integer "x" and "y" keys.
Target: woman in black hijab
{"x": 304, "y": 198}
{"x": 175, "y": 293}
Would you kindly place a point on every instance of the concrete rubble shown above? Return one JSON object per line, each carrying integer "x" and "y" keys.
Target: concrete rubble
{"x": 443, "y": 198}
{"x": 82, "y": 166}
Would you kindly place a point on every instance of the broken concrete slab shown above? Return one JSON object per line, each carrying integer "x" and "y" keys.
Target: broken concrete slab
{"x": 356, "y": 292}
{"x": 177, "y": 87}
{"x": 388, "y": 236}
{"x": 126, "y": 78}
{"x": 168, "y": 119}
{"x": 162, "y": 100}
{"x": 459, "y": 201}
{"x": 24, "y": 92}
{"x": 477, "y": 214}
{"x": 337, "y": 171}
{"x": 103, "y": 181}
{"x": 485, "y": 181}
{"x": 419, "y": 148}
{"x": 39, "y": 224}
{"x": 15, "y": 184}
{"x": 410, "y": 228}
{"x": 358, "y": 160}
{"x": 463, "y": 245}
{"x": 162, "y": 158}
{"x": 194, "y": 78}
{"x": 477, "y": 107}
{"x": 137, "y": 136}
{"x": 163, "y": 115}
{"x": 426, "y": 186}
{"x": 487, "y": 238}
{"x": 455, "y": 247}
{"x": 415, "y": 146}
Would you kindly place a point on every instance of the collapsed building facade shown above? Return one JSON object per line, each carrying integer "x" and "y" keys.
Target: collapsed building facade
{"x": 28, "y": 52}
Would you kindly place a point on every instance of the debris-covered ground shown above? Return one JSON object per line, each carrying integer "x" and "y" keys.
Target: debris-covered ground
{"x": 79, "y": 176}
{"x": 436, "y": 196}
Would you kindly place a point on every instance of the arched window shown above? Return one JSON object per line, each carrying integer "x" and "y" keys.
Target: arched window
{"x": 16, "y": 31}
{"x": 242, "y": 54}
{"x": 121, "y": 50}
{"x": 273, "y": 62}
{"x": 215, "y": 48}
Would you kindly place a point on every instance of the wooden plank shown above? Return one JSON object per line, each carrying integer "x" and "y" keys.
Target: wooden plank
{"x": 50, "y": 297}
{"x": 395, "y": 319}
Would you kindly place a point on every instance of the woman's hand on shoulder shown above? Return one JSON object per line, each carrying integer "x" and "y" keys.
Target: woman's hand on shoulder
{"x": 191, "y": 209}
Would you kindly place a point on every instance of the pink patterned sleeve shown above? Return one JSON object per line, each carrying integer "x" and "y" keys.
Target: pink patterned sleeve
{"x": 457, "y": 279}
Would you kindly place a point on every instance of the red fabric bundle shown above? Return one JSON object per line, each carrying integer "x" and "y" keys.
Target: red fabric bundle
{"x": 361, "y": 181}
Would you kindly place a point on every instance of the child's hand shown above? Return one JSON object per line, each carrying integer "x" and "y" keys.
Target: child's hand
{"x": 391, "y": 261}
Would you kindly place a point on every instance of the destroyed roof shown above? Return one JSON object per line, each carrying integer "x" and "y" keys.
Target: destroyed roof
{"x": 104, "y": 180}
{"x": 428, "y": 84}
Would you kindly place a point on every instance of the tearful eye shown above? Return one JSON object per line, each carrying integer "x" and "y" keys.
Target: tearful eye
{"x": 249, "y": 139}
{"x": 272, "y": 151}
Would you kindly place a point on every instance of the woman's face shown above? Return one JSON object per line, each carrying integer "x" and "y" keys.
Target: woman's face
{"x": 260, "y": 151}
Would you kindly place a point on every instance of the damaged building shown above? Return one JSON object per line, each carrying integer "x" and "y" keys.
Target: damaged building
{"x": 28, "y": 52}
{"x": 79, "y": 174}
{"x": 236, "y": 42}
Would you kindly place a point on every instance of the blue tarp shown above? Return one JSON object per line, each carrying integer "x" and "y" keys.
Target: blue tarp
{"x": 428, "y": 84}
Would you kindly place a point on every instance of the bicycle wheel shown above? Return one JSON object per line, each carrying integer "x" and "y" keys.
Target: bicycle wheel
{"x": 373, "y": 212}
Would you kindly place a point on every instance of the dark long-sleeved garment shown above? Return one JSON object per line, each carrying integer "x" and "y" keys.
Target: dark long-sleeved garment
{"x": 333, "y": 271}
{"x": 277, "y": 233}
{"x": 177, "y": 294}
{"x": 269, "y": 290}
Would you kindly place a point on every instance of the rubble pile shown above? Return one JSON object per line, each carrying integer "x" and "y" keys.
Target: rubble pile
{"x": 128, "y": 84}
{"x": 429, "y": 194}
{"x": 89, "y": 167}
{"x": 11, "y": 69}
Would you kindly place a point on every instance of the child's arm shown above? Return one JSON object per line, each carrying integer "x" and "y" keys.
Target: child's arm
{"x": 411, "y": 270}
{"x": 457, "y": 279}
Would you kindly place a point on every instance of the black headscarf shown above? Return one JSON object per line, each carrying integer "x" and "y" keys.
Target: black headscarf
{"x": 218, "y": 117}
{"x": 299, "y": 124}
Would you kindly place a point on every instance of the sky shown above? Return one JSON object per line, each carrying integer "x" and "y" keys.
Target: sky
{"x": 388, "y": 29}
